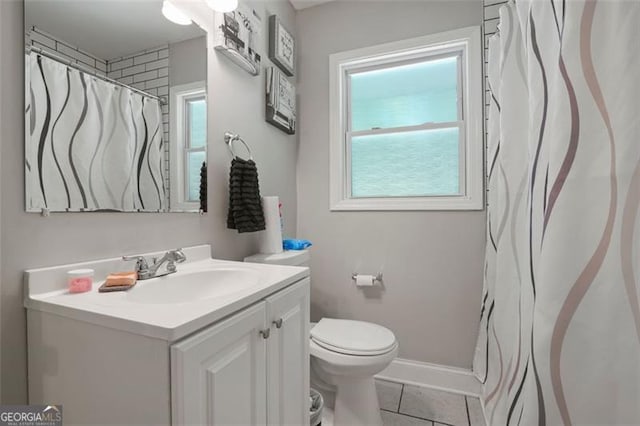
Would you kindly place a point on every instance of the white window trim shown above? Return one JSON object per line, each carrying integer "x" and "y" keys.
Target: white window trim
{"x": 176, "y": 147}
{"x": 465, "y": 39}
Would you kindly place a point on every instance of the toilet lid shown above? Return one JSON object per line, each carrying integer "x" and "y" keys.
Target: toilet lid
{"x": 353, "y": 337}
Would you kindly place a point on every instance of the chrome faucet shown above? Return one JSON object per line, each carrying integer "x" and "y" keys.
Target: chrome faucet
{"x": 145, "y": 271}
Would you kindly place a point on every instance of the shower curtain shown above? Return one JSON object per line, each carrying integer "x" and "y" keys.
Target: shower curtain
{"x": 90, "y": 144}
{"x": 560, "y": 322}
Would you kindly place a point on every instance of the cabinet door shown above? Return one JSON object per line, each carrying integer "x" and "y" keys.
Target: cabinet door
{"x": 218, "y": 376}
{"x": 288, "y": 356}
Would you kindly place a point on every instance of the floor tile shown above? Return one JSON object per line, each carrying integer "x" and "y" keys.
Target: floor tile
{"x": 393, "y": 419}
{"x": 439, "y": 406}
{"x": 388, "y": 395}
{"x": 476, "y": 417}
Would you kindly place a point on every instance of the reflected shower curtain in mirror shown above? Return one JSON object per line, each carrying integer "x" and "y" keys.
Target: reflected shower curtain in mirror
{"x": 90, "y": 144}
{"x": 560, "y": 322}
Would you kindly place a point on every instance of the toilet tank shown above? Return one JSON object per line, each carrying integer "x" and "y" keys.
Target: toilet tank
{"x": 287, "y": 257}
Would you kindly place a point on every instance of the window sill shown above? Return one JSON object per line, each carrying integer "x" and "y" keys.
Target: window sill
{"x": 185, "y": 206}
{"x": 407, "y": 204}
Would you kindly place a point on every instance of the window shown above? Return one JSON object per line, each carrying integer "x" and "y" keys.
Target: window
{"x": 189, "y": 144}
{"x": 406, "y": 125}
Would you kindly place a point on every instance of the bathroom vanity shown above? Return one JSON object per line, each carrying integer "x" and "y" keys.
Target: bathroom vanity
{"x": 217, "y": 342}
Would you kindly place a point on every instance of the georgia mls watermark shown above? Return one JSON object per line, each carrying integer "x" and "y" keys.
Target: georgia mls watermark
{"x": 30, "y": 415}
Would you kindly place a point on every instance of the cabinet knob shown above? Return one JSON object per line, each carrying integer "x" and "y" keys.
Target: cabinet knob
{"x": 265, "y": 333}
{"x": 277, "y": 323}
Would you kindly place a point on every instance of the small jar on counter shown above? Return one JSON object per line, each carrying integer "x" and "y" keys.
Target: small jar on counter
{"x": 80, "y": 280}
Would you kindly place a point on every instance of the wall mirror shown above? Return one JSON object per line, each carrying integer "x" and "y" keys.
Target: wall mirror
{"x": 115, "y": 108}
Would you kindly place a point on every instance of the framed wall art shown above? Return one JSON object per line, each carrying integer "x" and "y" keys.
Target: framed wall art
{"x": 282, "y": 46}
{"x": 281, "y": 101}
{"x": 238, "y": 37}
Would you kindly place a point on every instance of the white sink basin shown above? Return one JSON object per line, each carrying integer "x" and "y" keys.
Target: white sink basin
{"x": 191, "y": 286}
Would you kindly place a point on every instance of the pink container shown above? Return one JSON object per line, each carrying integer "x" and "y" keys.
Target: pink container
{"x": 80, "y": 280}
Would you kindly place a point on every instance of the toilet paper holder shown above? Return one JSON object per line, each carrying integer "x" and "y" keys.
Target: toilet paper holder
{"x": 377, "y": 277}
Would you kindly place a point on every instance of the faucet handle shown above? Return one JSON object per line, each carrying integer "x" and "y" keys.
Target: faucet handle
{"x": 178, "y": 255}
{"x": 141, "y": 262}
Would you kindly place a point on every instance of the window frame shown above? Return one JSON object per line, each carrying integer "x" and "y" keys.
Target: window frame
{"x": 188, "y": 148}
{"x": 179, "y": 149}
{"x": 464, "y": 42}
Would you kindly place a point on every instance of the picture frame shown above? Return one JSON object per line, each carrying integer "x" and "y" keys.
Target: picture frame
{"x": 282, "y": 46}
{"x": 280, "y": 101}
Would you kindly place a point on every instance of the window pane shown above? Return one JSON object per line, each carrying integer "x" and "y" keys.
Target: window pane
{"x": 406, "y": 164}
{"x": 405, "y": 95}
{"x": 197, "y": 123}
{"x": 195, "y": 160}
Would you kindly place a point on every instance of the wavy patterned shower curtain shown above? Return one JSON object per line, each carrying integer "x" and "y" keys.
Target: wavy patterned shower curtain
{"x": 560, "y": 325}
{"x": 90, "y": 144}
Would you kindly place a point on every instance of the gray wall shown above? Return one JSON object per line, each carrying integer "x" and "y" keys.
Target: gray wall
{"x": 187, "y": 63}
{"x": 29, "y": 240}
{"x": 3, "y": 65}
{"x": 432, "y": 261}
{"x": 237, "y": 104}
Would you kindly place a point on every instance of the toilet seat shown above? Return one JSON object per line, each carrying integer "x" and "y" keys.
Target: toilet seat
{"x": 355, "y": 338}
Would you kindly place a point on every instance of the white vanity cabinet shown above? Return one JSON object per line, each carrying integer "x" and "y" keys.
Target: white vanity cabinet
{"x": 249, "y": 369}
{"x": 288, "y": 357}
{"x": 239, "y": 356}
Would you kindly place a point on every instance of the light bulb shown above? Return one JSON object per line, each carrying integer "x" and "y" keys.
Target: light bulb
{"x": 223, "y": 6}
{"x": 174, "y": 14}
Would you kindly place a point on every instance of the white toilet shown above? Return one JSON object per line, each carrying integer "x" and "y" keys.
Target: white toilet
{"x": 345, "y": 355}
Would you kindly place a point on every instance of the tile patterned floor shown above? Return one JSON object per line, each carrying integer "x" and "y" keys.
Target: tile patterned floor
{"x": 408, "y": 405}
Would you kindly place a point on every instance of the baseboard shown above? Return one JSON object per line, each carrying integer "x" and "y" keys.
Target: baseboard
{"x": 450, "y": 379}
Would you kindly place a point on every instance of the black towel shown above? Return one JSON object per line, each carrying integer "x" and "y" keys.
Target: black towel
{"x": 245, "y": 206}
{"x": 203, "y": 187}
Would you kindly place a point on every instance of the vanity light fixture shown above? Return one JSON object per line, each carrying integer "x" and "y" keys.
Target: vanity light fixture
{"x": 175, "y": 15}
{"x": 223, "y": 6}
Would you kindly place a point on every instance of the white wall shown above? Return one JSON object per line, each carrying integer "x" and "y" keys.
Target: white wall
{"x": 432, "y": 261}
{"x": 29, "y": 240}
{"x": 48, "y": 42}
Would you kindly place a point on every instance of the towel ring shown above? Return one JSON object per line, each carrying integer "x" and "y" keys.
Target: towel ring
{"x": 230, "y": 138}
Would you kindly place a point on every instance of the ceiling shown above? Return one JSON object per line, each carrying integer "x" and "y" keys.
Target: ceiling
{"x": 107, "y": 29}
{"x": 303, "y": 4}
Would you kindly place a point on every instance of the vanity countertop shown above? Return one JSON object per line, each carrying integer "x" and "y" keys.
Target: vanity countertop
{"x": 45, "y": 290}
